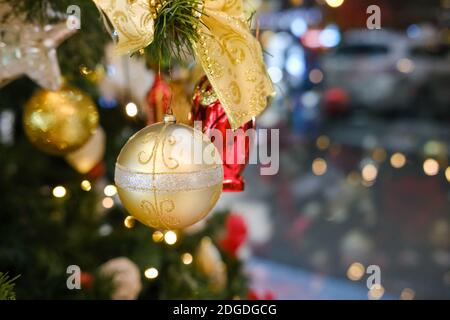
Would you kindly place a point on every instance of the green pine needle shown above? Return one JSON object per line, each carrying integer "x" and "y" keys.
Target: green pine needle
{"x": 175, "y": 32}
{"x": 7, "y": 287}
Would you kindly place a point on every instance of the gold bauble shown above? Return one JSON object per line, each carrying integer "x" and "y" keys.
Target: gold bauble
{"x": 210, "y": 263}
{"x": 159, "y": 180}
{"x": 59, "y": 122}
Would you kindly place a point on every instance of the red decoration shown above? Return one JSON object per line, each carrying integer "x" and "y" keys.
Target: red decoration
{"x": 86, "y": 280}
{"x": 208, "y": 109}
{"x": 97, "y": 172}
{"x": 235, "y": 234}
{"x": 158, "y": 100}
{"x": 268, "y": 295}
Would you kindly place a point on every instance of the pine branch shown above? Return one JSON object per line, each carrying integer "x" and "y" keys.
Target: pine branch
{"x": 7, "y": 287}
{"x": 175, "y": 32}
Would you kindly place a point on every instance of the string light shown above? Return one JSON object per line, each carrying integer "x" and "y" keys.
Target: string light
{"x": 110, "y": 190}
{"x": 107, "y": 203}
{"x": 59, "y": 192}
{"x": 356, "y": 271}
{"x": 129, "y": 222}
{"x": 85, "y": 185}
{"x": 430, "y": 167}
{"x": 151, "y": 273}
{"x": 187, "y": 258}
{"x": 170, "y": 237}
{"x": 398, "y": 160}
{"x": 447, "y": 174}
{"x": 131, "y": 109}
{"x": 319, "y": 166}
{"x": 157, "y": 236}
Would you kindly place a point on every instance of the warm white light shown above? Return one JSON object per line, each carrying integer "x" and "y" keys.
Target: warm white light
{"x": 85, "y": 185}
{"x": 430, "y": 167}
{"x": 369, "y": 172}
{"x": 129, "y": 222}
{"x": 151, "y": 273}
{"x": 447, "y": 174}
{"x": 398, "y": 160}
{"x": 355, "y": 271}
{"x": 170, "y": 237}
{"x": 107, "y": 203}
{"x": 334, "y": 3}
{"x": 319, "y": 166}
{"x": 110, "y": 190}
{"x": 131, "y": 109}
{"x": 187, "y": 258}
{"x": 59, "y": 192}
{"x": 376, "y": 292}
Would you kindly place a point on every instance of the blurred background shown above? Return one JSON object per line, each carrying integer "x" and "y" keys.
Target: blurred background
{"x": 364, "y": 140}
{"x": 364, "y": 174}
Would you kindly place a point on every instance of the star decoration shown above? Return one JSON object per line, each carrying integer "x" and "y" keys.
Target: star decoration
{"x": 28, "y": 48}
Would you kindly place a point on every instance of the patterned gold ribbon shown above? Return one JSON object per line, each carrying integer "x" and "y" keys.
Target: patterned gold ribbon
{"x": 230, "y": 55}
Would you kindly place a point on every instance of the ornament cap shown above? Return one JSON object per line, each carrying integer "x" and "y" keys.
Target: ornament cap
{"x": 169, "y": 118}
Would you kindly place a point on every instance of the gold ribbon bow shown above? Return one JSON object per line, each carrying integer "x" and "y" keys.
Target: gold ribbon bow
{"x": 229, "y": 54}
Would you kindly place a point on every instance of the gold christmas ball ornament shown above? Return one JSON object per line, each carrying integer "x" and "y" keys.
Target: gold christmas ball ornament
{"x": 59, "y": 122}
{"x": 169, "y": 175}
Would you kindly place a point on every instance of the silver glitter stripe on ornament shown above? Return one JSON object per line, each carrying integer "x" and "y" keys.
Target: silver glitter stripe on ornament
{"x": 186, "y": 181}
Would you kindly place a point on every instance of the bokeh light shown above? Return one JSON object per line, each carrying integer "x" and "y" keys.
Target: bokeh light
{"x": 356, "y": 271}
{"x": 151, "y": 273}
{"x": 170, "y": 237}
{"x": 129, "y": 222}
{"x": 431, "y": 167}
{"x": 158, "y": 236}
{"x": 334, "y": 3}
{"x": 86, "y": 185}
{"x": 187, "y": 258}
{"x": 110, "y": 190}
{"x": 398, "y": 160}
{"x": 319, "y": 166}
{"x": 131, "y": 109}
{"x": 107, "y": 203}
{"x": 59, "y": 192}
{"x": 369, "y": 172}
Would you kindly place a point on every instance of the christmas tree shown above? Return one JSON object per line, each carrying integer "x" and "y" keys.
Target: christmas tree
{"x": 60, "y": 218}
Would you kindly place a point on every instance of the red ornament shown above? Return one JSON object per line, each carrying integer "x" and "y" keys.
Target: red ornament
{"x": 235, "y": 234}
{"x": 253, "y": 295}
{"x": 208, "y": 109}
{"x": 86, "y": 280}
{"x": 97, "y": 172}
{"x": 158, "y": 100}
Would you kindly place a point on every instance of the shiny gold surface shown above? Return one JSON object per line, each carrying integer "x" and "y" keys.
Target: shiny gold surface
{"x": 59, "y": 122}
{"x": 160, "y": 154}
